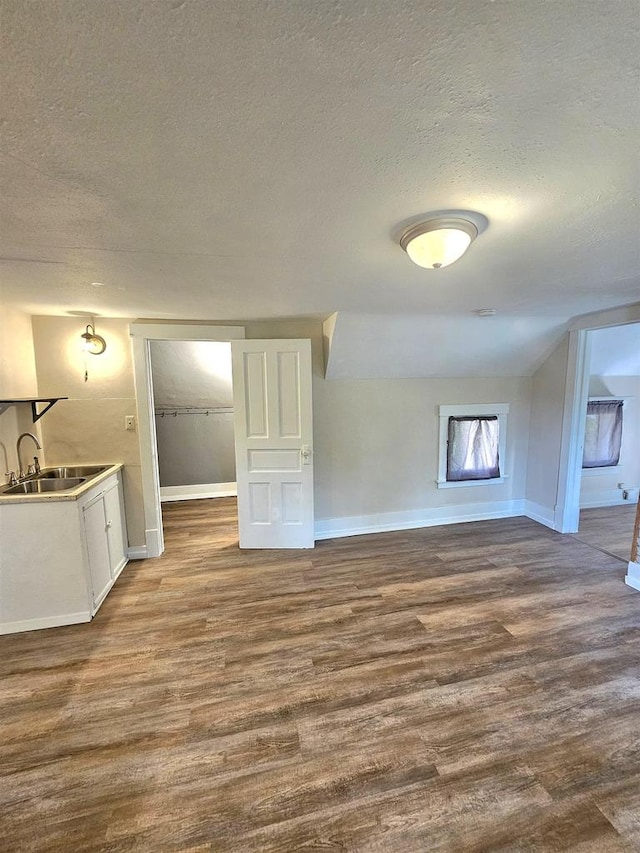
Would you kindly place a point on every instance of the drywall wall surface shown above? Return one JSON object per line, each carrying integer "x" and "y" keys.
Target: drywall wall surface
{"x": 17, "y": 379}
{"x": 196, "y": 448}
{"x": 397, "y": 346}
{"x": 17, "y": 361}
{"x": 599, "y": 486}
{"x": 90, "y": 426}
{"x": 376, "y": 440}
{"x": 376, "y": 443}
{"x": 303, "y": 327}
{"x": 191, "y": 373}
{"x": 545, "y": 431}
{"x": 615, "y": 351}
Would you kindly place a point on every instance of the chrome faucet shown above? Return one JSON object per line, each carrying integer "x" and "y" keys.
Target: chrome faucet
{"x": 21, "y": 473}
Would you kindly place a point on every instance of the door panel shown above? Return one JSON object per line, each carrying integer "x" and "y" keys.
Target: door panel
{"x": 115, "y": 530}
{"x": 273, "y": 427}
{"x": 273, "y": 460}
{"x": 97, "y": 549}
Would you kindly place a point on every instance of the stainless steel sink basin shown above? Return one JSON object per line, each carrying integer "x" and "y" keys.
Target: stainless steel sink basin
{"x": 35, "y": 487}
{"x": 70, "y": 471}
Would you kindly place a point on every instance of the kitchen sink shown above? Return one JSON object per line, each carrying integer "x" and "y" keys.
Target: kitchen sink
{"x": 36, "y": 487}
{"x": 70, "y": 471}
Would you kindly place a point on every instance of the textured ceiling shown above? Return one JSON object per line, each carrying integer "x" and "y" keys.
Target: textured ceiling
{"x": 227, "y": 159}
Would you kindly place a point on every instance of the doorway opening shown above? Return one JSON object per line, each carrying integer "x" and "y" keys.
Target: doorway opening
{"x": 272, "y": 434}
{"x": 610, "y": 474}
{"x": 143, "y": 336}
{"x": 604, "y": 367}
{"x": 193, "y": 409}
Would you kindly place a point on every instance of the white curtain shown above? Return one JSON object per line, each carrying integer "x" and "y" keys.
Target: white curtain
{"x": 603, "y": 434}
{"x": 472, "y": 450}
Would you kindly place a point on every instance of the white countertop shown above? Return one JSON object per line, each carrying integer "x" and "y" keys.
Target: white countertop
{"x": 68, "y": 494}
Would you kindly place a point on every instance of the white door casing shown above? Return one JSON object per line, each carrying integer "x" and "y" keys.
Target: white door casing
{"x": 273, "y": 431}
{"x": 141, "y": 335}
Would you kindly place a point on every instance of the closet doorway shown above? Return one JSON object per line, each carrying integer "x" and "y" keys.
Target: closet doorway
{"x": 273, "y": 426}
{"x": 143, "y": 337}
{"x": 193, "y": 408}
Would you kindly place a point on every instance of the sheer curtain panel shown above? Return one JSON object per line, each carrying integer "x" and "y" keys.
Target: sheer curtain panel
{"x": 472, "y": 448}
{"x": 603, "y": 434}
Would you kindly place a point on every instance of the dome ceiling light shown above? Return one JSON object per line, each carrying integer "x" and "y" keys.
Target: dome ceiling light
{"x": 438, "y": 242}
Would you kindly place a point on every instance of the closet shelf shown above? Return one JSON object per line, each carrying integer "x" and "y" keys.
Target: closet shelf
{"x": 50, "y": 401}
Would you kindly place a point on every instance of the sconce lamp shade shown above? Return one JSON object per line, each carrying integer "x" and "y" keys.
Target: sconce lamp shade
{"x": 437, "y": 243}
{"x": 91, "y": 342}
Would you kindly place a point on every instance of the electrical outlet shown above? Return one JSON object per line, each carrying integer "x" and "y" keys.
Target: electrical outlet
{"x": 130, "y": 422}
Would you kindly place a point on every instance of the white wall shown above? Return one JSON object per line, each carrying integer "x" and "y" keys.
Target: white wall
{"x": 615, "y": 351}
{"x": 375, "y": 441}
{"x": 192, "y": 373}
{"x": 193, "y": 447}
{"x": 17, "y": 379}
{"x": 376, "y": 444}
{"x": 545, "y": 434}
{"x": 90, "y": 426}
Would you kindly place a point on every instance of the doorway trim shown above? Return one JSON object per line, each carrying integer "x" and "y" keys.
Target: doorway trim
{"x": 141, "y": 336}
{"x": 567, "y": 510}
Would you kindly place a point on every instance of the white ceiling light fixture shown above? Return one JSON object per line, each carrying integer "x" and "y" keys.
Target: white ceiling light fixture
{"x": 438, "y": 242}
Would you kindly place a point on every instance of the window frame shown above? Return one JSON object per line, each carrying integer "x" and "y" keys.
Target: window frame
{"x": 603, "y": 470}
{"x": 480, "y": 410}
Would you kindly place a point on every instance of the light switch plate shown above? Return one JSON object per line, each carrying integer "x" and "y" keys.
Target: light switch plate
{"x": 130, "y": 422}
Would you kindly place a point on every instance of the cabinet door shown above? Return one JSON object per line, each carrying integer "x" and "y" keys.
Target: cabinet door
{"x": 97, "y": 549}
{"x": 115, "y": 530}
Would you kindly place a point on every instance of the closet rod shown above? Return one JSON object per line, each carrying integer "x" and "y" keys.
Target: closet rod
{"x": 174, "y": 412}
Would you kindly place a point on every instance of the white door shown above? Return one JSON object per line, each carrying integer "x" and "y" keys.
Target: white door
{"x": 273, "y": 433}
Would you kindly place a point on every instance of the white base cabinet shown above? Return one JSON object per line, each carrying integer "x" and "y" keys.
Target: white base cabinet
{"x": 60, "y": 558}
{"x": 104, "y": 540}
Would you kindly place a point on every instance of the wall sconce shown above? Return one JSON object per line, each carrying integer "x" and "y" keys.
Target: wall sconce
{"x": 438, "y": 242}
{"x": 91, "y": 342}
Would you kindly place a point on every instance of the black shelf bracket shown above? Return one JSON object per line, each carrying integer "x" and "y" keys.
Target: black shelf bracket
{"x": 35, "y": 414}
{"x": 38, "y": 414}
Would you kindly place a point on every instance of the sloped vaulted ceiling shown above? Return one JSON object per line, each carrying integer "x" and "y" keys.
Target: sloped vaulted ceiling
{"x": 230, "y": 159}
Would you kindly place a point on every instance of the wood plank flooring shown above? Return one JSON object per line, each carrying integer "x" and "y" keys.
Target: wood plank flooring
{"x": 609, "y": 528}
{"x": 465, "y": 688}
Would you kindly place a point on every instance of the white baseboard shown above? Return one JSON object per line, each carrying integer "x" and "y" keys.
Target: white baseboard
{"x": 45, "y": 622}
{"x": 153, "y": 539}
{"x": 198, "y": 491}
{"x": 358, "y": 525}
{"x": 605, "y": 497}
{"x": 633, "y": 576}
{"x": 542, "y": 514}
{"x": 137, "y": 552}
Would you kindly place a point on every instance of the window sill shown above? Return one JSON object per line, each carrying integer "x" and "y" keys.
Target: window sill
{"x": 601, "y": 472}
{"x": 458, "y": 484}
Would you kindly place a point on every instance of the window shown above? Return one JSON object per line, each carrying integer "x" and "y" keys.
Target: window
{"x": 472, "y": 448}
{"x": 472, "y": 445}
{"x": 603, "y": 434}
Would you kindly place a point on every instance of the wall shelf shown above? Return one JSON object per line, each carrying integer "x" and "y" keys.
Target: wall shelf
{"x": 50, "y": 401}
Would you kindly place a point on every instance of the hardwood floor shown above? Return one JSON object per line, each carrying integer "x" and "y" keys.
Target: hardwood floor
{"x": 609, "y": 528}
{"x": 463, "y": 688}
